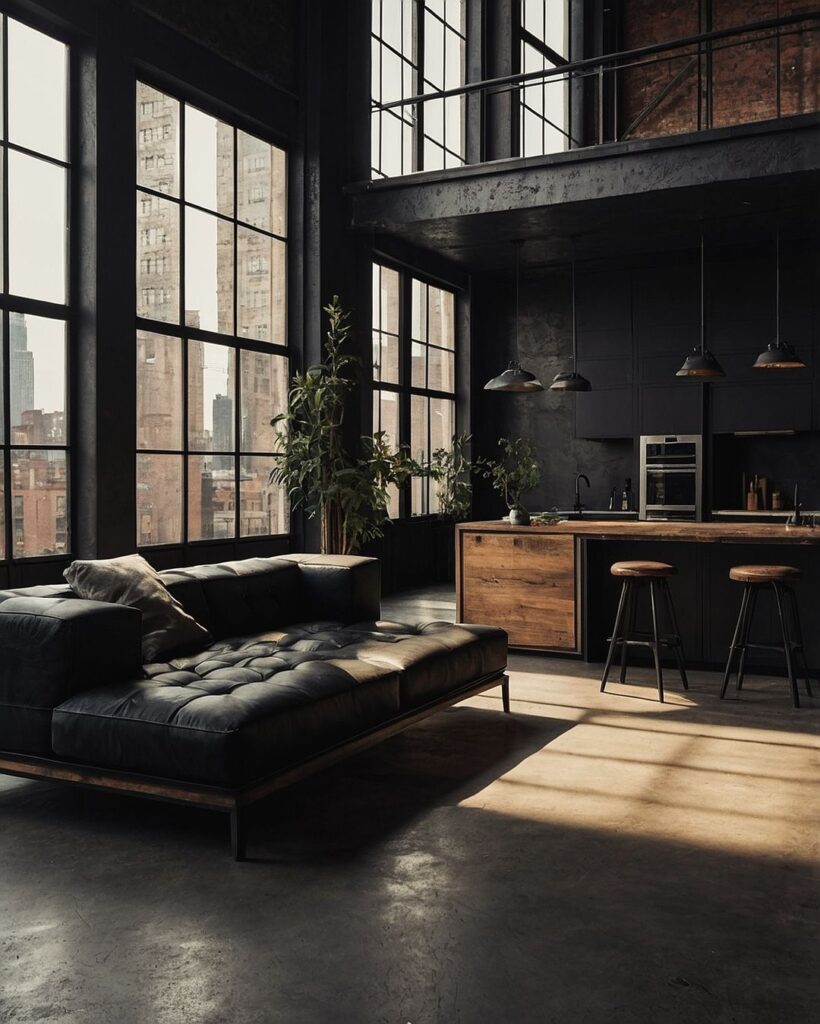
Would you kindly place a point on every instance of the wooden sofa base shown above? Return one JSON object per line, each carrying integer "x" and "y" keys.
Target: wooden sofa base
{"x": 234, "y": 801}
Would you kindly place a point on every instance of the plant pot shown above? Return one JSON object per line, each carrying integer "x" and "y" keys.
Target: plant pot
{"x": 519, "y": 517}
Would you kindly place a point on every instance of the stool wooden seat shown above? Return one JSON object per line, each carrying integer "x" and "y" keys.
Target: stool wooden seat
{"x": 656, "y": 570}
{"x": 755, "y": 579}
{"x": 764, "y": 574}
{"x": 640, "y": 577}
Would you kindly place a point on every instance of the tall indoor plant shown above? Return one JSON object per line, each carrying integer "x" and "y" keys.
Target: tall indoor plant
{"x": 348, "y": 492}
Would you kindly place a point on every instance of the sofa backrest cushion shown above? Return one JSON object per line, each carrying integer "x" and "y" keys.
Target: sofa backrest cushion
{"x": 131, "y": 581}
{"x": 237, "y": 598}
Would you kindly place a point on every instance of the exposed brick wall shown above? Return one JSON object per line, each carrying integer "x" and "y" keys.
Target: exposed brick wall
{"x": 744, "y": 78}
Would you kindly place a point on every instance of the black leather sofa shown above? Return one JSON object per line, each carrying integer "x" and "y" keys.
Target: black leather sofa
{"x": 300, "y": 672}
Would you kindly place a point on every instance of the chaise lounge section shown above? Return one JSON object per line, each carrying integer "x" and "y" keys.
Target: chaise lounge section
{"x": 299, "y": 672}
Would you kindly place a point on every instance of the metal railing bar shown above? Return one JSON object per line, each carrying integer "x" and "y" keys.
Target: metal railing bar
{"x": 606, "y": 59}
{"x": 656, "y": 102}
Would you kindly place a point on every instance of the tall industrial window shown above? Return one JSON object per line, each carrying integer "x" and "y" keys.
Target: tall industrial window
{"x": 212, "y": 364}
{"x": 414, "y": 387}
{"x": 34, "y": 473}
{"x": 543, "y": 102}
{"x": 417, "y": 47}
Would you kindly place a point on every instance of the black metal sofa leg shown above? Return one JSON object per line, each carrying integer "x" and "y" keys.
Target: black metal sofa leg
{"x": 237, "y": 833}
{"x": 505, "y": 695}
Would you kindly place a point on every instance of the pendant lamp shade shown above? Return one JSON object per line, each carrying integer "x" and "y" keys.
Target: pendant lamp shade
{"x": 701, "y": 363}
{"x": 571, "y": 380}
{"x": 514, "y": 378}
{"x": 778, "y": 355}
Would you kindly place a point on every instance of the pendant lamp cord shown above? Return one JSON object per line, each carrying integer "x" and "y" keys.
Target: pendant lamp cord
{"x": 777, "y": 286}
{"x": 702, "y": 298}
{"x": 517, "y": 294}
{"x": 574, "y": 338}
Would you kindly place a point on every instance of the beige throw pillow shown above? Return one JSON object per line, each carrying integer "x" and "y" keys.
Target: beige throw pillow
{"x": 131, "y": 580}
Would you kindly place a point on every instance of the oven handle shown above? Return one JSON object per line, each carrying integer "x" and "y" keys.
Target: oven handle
{"x": 671, "y": 469}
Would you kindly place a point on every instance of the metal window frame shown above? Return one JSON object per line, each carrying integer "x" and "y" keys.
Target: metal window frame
{"x": 551, "y": 59}
{"x": 414, "y": 56}
{"x": 12, "y": 303}
{"x": 405, "y": 390}
{"x": 185, "y": 334}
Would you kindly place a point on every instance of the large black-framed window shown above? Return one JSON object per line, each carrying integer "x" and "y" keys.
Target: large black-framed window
{"x": 543, "y": 104}
{"x": 211, "y": 295}
{"x": 417, "y": 47}
{"x": 414, "y": 373}
{"x": 35, "y": 301}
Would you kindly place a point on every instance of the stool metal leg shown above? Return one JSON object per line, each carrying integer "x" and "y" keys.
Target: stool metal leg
{"x": 787, "y": 644}
{"x": 656, "y": 641}
{"x": 678, "y": 646}
{"x": 744, "y": 604}
{"x": 616, "y": 631}
{"x": 744, "y": 638}
{"x": 629, "y": 618}
{"x": 795, "y": 617}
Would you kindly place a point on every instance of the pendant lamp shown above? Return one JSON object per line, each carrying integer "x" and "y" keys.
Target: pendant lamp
{"x": 572, "y": 380}
{"x": 514, "y": 378}
{"x": 701, "y": 363}
{"x": 779, "y": 355}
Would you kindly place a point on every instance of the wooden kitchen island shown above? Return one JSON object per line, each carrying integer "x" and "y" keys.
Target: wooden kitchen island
{"x": 550, "y": 588}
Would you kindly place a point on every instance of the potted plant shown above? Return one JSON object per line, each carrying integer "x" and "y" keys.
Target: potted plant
{"x": 516, "y": 472}
{"x": 349, "y": 493}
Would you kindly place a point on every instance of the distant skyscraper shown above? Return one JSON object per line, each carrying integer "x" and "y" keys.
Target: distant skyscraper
{"x": 21, "y": 369}
{"x": 222, "y": 407}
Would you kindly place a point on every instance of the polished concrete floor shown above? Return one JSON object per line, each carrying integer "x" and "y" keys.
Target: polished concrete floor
{"x": 589, "y": 858}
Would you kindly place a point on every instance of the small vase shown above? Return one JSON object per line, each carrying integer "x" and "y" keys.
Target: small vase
{"x": 519, "y": 517}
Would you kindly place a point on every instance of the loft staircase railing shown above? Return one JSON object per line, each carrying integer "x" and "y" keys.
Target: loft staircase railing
{"x": 608, "y": 70}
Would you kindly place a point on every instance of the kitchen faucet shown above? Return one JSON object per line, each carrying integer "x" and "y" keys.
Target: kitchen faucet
{"x": 578, "y": 507}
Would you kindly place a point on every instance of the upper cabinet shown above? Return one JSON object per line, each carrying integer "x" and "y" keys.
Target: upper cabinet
{"x": 605, "y": 355}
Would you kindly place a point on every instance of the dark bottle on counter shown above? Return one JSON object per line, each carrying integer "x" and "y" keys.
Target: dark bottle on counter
{"x": 626, "y": 497}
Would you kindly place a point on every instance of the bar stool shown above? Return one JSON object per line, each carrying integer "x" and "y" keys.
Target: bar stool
{"x": 638, "y": 577}
{"x": 779, "y": 578}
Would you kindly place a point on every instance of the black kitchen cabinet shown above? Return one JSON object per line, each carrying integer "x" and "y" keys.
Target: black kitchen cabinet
{"x": 604, "y": 413}
{"x": 676, "y": 409}
{"x": 768, "y": 405}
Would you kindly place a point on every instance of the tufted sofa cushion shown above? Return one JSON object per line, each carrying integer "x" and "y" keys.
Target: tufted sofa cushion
{"x": 245, "y": 707}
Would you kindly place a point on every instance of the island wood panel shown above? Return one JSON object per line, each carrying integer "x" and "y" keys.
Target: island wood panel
{"x": 523, "y": 583}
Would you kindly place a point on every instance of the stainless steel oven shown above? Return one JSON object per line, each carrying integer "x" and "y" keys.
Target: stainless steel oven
{"x": 671, "y": 476}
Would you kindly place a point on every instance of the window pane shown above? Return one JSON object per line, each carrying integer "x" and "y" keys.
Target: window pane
{"x": 208, "y": 162}
{"x": 159, "y": 499}
{"x": 442, "y": 423}
{"x": 211, "y": 497}
{"x": 264, "y": 394}
{"x": 389, "y": 300}
{"x": 157, "y": 140}
{"x": 263, "y": 506}
{"x": 37, "y": 228}
{"x": 37, "y": 379}
{"x": 261, "y": 184}
{"x": 441, "y": 323}
{"x": 386, "y": 418}
{"x": 208, "y": 272}
{"x": 418, "y": 365}
{"x": 419, "y": 311}
{"x": 419, "y": 449}
{"x": 38, "y": 79}
{"x": 440, "y": 369}
{"x": 210, "y": 397}
{"x": 39, "y": 498}
{"x": 157, "y": 258}
{"x": 385, "y": 357}
{"x": 159, "y": 391}
{"x": 262, "y": 287}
